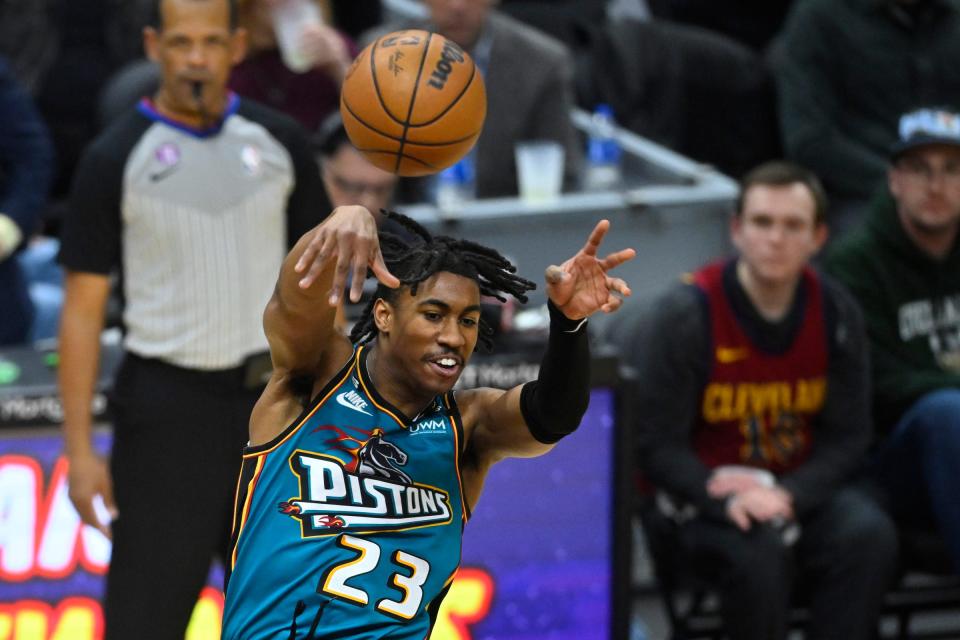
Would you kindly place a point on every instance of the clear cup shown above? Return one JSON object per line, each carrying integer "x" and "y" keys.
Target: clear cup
{"x": 539, "y": 170}
{"x": 290, "y": 18}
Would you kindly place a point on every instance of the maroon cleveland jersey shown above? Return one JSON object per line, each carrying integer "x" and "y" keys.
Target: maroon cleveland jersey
{"x": 757, "y": 408}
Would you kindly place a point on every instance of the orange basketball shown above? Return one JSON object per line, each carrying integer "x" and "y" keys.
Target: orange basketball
{"x": 413, "y": 103}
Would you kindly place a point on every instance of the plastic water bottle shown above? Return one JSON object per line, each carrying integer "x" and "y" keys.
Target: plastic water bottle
{"x": 603, "y": 151}
{"x": 290, "y": 19}
{"x": 456, "y": 185}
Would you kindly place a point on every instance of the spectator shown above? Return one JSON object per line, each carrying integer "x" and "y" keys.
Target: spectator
{"x": 28, "y": 40}
{"x": 698, "y": 92}
{"x": 349, "y": 178}
{"x": 757, "y": 415}
{"x": 529, "y": 80}
{"x": 44, "y": 277}
{"x": 263, "y": 76}
{"x": 67, "y": 95}
{"x": 847, "y": 70}
{"x": 26, "y": 160}
{"x": 194, "y": 198}
{"x": 903, "y": 266}
{"x": 749, "y": 22}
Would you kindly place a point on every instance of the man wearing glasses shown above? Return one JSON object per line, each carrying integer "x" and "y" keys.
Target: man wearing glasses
{"x": 348, "y": 177}
{"x": 903, "y": 265}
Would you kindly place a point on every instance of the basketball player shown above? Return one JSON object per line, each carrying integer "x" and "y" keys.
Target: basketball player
{"x": 756, "y": 416}
{"x": 363, "y": 464}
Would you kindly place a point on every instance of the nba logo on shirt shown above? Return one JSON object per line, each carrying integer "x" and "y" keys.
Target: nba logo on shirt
{"x": 251, "y": 159}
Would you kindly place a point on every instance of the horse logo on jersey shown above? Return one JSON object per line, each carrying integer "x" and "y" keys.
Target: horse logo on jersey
{"x": 377, "y": 457}
{"x": 358, "y": 485}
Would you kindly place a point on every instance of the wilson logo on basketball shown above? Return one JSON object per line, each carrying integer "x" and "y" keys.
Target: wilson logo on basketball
{"x": 451, "y": 54}
{"x": 413, "y": 103}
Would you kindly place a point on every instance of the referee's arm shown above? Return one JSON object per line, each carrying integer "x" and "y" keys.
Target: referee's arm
{"x": 89, "y": 252}
{"x": 82, "y": 321}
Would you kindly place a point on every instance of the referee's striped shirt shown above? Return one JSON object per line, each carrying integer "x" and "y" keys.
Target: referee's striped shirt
{"x": 196, "y": 223}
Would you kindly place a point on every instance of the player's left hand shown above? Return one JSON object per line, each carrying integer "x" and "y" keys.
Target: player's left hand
{"x": 580, "y": 286}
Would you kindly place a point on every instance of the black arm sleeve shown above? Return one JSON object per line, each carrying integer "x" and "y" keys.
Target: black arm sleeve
{"x": 555, "y": 402}
{"x": 842, "y": 430}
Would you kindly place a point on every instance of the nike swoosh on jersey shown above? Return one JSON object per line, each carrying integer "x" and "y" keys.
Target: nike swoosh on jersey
{"x": 163, "y": 173}
{"x": 726, "y": 355}
{"x": 342, "y": 401}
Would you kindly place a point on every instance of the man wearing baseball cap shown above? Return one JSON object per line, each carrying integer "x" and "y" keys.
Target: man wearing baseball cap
{"x": 903, "y": 266}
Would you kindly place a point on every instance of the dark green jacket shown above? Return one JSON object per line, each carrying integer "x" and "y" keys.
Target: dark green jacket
{"x": 911, "y": 305}
{"x": 848, "y": 69}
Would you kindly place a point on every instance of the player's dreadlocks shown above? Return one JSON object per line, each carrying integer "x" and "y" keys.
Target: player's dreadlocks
{"x": 413, "y": 261}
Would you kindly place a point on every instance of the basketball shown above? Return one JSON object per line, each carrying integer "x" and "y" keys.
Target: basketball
{"x": 413, "y": 103}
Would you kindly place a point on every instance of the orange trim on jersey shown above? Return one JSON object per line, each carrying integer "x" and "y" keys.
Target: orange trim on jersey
{"x": 372, "y": 396}
{"x": 316, "y": 407}
{"x": 236, "y": 499}
{"x": 456, "y": 451}
{"x": 245, "y": 512}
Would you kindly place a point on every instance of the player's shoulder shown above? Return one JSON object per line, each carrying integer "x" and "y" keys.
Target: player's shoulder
{"x": 472, "y": 404}
{"x": 290, "y": 394}
{"x": 469, "y": 399}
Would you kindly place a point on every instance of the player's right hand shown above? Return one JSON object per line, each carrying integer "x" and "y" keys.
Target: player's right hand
{"x": 88, "y": 477}
{"x": 348, "y": 237}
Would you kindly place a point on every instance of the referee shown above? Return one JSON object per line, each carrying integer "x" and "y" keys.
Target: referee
{"x": 192, "y": 200}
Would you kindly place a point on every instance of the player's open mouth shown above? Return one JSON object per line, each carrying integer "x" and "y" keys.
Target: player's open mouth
{"x": 445, "y": 365}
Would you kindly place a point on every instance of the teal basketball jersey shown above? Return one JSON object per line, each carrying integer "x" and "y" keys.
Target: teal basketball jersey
{"x": 347, "y": 525}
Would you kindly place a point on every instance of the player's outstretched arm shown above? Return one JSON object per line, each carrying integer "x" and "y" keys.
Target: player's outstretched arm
{"x": 527, "y": 420}
{"x": 299, "y": 318}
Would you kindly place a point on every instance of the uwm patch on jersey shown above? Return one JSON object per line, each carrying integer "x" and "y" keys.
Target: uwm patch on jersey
{"x": 362, "y": 489}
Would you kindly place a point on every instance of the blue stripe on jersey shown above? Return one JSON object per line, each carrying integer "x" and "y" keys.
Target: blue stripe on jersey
{"x": 348, "y": 524}
{"x": 147, "y": 108}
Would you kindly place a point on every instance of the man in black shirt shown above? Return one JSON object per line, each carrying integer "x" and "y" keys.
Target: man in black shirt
{"x": 193, "y": 198}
